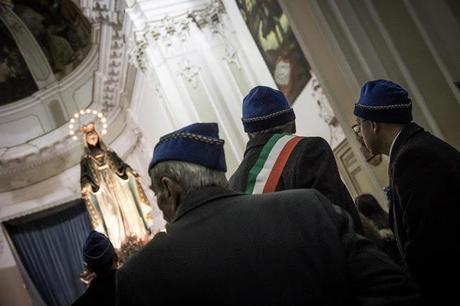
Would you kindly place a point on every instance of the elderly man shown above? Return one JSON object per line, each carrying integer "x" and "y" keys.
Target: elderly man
{"x": 276, "y": 160}
{"x": 226, "y": 248}
{"x": 424, "y": 188}
{"x": 100, "y": 257}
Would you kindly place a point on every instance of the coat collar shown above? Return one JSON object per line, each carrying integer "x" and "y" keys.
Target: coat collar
{"x": 200, "y": 197}
{"x": 257, "y": 141}
{"x": 407, "y": 132}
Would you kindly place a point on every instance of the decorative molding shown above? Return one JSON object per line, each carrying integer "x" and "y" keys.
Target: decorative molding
{"x": 174, "y": 30}
{"x": 114, "y": 68}
{"x": 326, "y": 113}
{"x": 137, "y": 55}
{"x": 189, "y": 72}
{"x": 231, "y": 56}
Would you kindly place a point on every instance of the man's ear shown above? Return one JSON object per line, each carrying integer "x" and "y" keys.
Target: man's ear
{"x": 166, "y": 184}
{"x": 171, "y": 187}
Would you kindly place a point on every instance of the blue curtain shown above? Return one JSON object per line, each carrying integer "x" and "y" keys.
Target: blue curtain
{"x": 50, "y": 245}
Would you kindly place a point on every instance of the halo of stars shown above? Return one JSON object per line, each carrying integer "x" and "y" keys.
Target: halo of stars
{"x": 86, "y": 116}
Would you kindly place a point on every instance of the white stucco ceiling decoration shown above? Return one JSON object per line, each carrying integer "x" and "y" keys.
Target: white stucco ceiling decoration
{"x": 163, "y": 22}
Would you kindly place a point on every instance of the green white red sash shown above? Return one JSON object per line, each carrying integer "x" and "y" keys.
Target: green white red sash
{"x": 266, "y": 172}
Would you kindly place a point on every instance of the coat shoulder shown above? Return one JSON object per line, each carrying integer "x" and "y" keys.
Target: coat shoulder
{"x": 297, "y": 199}
{"x": 313, "y": 146}
{"x": 426, "y": 148}
{"x": 152, "y": 249}
{"x": 314, "y": 141}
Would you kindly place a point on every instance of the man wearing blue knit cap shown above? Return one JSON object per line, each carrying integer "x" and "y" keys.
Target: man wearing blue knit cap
{"x": 424, "y": 188}
{"x": 100, "y": 258}
{"x": 227, "y": 248}
{"x": 275, "y": 159}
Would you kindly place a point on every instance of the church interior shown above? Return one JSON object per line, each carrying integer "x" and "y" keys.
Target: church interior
{"x": 129, "y": 71}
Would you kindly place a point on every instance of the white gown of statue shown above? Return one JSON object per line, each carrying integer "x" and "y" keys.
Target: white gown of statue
{"x": 117, "y": 204}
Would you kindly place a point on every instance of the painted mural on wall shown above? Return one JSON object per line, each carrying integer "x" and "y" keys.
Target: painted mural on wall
{"x": 60, "y": 29}
{"x": 14, "y": 73}
{"x": 276, "y": 41}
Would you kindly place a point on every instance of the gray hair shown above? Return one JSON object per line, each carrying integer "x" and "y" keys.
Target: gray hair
{"x": 284, "y": 128}
{"x": 188, "y": 175}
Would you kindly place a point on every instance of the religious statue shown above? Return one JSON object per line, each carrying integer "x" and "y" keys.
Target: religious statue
{"x": 115, "y": 199}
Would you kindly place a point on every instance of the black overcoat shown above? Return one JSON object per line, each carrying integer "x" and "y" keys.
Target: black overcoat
{"x": 311, "y": 165}
{"x": 284, "y": 248}
{"x": 425, "y": 211}
{"x": 101, "y": 291}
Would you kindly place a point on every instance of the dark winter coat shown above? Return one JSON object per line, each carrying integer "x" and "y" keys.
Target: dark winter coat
{"x": 425, "y": 211}
{"x": 311, "y": 165}
{"x": 284, "y": 248}
{"x": 101, "y": 291}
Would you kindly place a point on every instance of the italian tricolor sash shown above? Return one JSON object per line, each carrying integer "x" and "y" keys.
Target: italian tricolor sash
{"x": 266, "y": 172}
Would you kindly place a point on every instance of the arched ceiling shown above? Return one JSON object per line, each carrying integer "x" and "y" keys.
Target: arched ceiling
{"x": 39, "y": 37}
{"x": 79, "y": 59}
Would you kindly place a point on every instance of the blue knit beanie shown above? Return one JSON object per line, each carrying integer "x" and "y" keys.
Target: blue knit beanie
{"x": 384, "y": 101}
{"x": 98, "y": 250}
{"x": 197, "y": 143}
{"x": 264, "y": 108}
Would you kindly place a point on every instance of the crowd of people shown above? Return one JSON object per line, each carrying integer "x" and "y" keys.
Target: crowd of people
{"x": 284, "y": 229}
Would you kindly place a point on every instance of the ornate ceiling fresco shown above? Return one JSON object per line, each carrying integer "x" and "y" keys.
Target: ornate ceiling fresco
{"x": 58, "y": 28}
{"x": 14, "y": 72}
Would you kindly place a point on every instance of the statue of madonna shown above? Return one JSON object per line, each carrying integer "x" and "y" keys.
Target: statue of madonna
{"x": 111, "y": 189}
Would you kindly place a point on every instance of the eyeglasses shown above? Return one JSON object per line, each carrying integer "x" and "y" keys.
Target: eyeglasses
{"x": 356, "y": 128}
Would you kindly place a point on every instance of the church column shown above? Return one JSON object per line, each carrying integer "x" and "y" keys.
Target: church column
{"x": 185, "y": 53}
{"x": 349, "y": 42}
{"x": 341, "y": 79}
{"x": 407, "y": 25}
{"x": 29, "y": 47}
